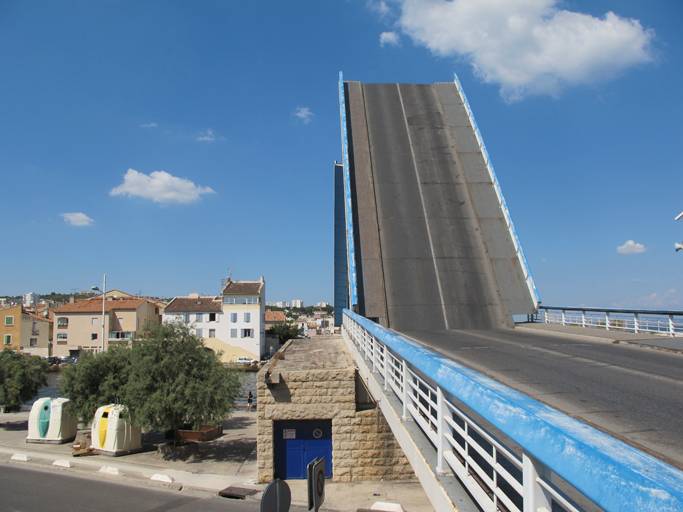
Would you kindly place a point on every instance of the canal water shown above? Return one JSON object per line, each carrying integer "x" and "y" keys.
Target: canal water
{"x": 54, "y": 379}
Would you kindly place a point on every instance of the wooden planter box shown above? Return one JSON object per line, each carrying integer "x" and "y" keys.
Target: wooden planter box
{"x": 205, "y": 433}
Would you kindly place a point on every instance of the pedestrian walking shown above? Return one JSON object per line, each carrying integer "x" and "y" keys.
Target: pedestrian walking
{"x": 250, "y": 399}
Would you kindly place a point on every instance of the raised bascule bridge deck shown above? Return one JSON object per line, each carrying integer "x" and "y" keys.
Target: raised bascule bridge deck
{"x": 431, "y": 270}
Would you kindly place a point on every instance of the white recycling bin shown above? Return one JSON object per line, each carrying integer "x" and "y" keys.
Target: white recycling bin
{"x": 113, "y": 432}
{"x": 49, "y": 422}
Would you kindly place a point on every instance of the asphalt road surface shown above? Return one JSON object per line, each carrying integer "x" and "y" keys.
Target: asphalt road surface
{"x": 634, "y": 394}
{"x": 26, "y": 490}
{"x": 436, "y": 271}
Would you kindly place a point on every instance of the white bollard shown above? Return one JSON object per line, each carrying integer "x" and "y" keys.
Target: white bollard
{"x": 110, "y": 470}
{"x": 160, "y": 477}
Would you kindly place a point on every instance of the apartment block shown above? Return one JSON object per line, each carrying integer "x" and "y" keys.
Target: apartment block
{"x": 25, "y": 332}
{"x": 78, "y": 325}
{"x": 232, "y": 324}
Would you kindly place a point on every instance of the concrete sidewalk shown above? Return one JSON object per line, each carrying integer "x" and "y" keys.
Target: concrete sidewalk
{"x": 227, "y": 461}
{"x": 655, "y": 341}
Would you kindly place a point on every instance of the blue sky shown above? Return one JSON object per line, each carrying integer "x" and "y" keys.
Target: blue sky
{"x": 166, "y": 142}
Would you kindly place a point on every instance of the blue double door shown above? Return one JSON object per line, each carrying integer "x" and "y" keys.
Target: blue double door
{"x": 297, "y": 443}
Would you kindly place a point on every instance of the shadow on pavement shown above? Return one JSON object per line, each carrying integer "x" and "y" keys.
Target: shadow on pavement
{"x": 14, "y": 426}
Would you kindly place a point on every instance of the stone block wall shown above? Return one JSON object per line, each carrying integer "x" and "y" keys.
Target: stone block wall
{"x": 363, "y": 446}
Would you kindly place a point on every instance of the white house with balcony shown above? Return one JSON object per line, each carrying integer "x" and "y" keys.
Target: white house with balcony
{"x": 232, "y": 323}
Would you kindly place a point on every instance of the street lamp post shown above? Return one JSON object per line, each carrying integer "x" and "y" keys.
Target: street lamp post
{"x": 104, "y": 299}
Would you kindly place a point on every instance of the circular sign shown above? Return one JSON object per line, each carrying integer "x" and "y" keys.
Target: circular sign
{"x": 277, "y": 497}
{"x": 317, "y": 433}
{"x": 320, "y": 482}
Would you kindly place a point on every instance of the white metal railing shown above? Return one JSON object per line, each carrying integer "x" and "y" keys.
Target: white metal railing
{"x": 497, "y": 477}
{"x": 664, "y": 323}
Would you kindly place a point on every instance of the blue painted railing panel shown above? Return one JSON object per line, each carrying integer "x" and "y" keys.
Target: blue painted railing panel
{"x": 494, "y": 178}
{"x": 353, "y": 289}
{"x": 612, "y": 474}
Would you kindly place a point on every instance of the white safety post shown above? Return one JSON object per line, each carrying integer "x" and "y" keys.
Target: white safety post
{"x": 375, "y": 344}
{"x": 607, "y": 326}
{"x": 440, "y": 430}
{"x": 385, "y": 351}
{"x": 545, "y": 311}
{"x": 405, "y": 390}
{"x": 563, "y": 315}
{"x": 636, "y": 323}
{"x": 583, "y": 318}
{"x": 536, "y": 498}
{"x": 672, "y": 328}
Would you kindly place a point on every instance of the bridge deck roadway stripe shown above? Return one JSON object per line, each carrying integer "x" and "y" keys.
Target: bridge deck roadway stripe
{"x": 424, "y": 209}
{"x": 436, "y": 269}
{"x": 410, "y": 280}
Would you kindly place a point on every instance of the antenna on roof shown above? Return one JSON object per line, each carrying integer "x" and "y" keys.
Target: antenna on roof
{"x": 229, "y": 272}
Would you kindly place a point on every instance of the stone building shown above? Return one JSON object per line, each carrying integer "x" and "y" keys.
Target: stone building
{"x": 311, "y": 402}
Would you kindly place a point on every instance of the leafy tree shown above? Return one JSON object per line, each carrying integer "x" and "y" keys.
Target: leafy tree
{"x": 21, "y": 378}
{"x": 175, "y": 380}
{"x": 286, "y": 331}
{"x": 167, "y": 378}
{"x": 96, "y": 380}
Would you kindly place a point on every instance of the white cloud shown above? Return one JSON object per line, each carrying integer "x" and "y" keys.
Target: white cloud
{"x": 390, "y": 38}
{"x": 527, "y": 47}
{"x": 667, "y": 300}
{"x": 148, "y": 125}
{"x": 630, "y": 247}
{"x": 305, "y": 114}
{"x": 380, "y": 7}
{"x": 160, "y": 187}
{"x": 77, "y": 219}
{"x": 208, "y": 135}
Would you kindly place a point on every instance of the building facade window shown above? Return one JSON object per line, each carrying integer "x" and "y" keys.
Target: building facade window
{"x": 231, "y": 301}
{"x": 62, "y": 336}
{"x": 233, "y": 318}
{"x": 199, "y": 317}
{"x": 199, "y": 333}
{"x": 233, "y": 333}
{"x": 186, "y": 318}
{"x": 33, "y": 342}
{"x": 247, "y": 333}
{"x": 62, "y": 323}
{"x": 8, "y": 339}
{"x": 212, "y": 333}
{"x": 120, "y": 335}
{"x": 93, "y": 336}
{"x": 212, "y": 317}
{"x": 247, "y": 317}
{"x": 34, "y": 328}
{"x": 9, "y": 320}
{"x": 94, "y": 321}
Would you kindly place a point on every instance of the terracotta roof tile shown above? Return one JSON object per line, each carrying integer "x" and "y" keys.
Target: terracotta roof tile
{"x": 275, "y": 316}
{"x": 242, "y": 288}
{"x": 190, "y": 305}
{"x": 37, "y": 317}
{"x": 95, "y": 306}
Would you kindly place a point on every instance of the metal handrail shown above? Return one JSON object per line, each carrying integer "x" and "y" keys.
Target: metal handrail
{"x": 348, "y": 205}
{"x": 611, "y": 474}
{"x": 660, "y": 322}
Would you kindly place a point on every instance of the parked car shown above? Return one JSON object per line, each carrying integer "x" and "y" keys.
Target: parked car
{"x": 246, "y": 360}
